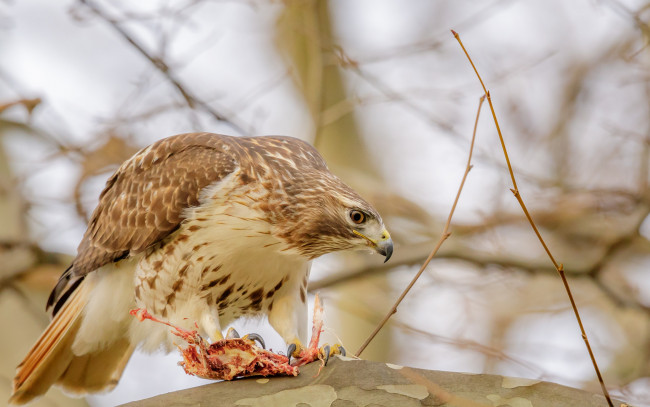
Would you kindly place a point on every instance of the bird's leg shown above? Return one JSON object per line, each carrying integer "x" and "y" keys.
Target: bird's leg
{"x": 288, "y": 318}
{"x": 210, "y": 324}
{"x": 313, "y": 352}
{"x": 284, "y": 320}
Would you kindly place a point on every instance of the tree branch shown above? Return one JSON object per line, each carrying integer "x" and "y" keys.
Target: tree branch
{"x": 190, "y": 98}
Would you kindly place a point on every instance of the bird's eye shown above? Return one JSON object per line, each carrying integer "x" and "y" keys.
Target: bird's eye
{"x": 357, "y": 217}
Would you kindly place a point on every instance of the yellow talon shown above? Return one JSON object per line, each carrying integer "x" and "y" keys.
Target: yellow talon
{"x": 324, "y": 352}
{"x": 294, "y": 349}
{"x": 253, "y": 337}
{"x": 337, "y": 349}
{"x": 232, "y": 333}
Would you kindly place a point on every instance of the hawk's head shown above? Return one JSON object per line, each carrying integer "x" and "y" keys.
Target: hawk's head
{"x": 358, "y": 225}
{"x": 319, "y": 214}
{"x": 332, "y": 218}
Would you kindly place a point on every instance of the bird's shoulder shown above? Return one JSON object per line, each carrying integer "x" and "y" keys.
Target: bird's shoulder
{"x": 144, "y": 199}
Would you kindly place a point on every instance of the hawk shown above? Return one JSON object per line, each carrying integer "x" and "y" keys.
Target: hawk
{"x": 201, "y": 229}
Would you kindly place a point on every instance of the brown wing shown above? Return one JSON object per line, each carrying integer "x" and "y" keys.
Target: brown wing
{"x": 143, "y": 201}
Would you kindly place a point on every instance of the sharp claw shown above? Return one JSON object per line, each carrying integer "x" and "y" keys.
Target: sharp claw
{"x": 290, "y": 350}
{"x": 232, "y": 333}
{"x": 326, "y": 353}
{"x": 342, "y": 351}
{"x": 256, "y": 337}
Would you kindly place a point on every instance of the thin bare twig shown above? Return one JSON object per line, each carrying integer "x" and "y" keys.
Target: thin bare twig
{"x": 558, "y": 266}
{"x": 443, "y": 237}
{"x": 192, "y": 100}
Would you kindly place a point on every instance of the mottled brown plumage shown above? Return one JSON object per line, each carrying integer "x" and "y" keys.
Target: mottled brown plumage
{"x": 196, "y": 228}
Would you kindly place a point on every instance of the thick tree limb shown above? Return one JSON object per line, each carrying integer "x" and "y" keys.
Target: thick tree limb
{"x": 361, "y": 382}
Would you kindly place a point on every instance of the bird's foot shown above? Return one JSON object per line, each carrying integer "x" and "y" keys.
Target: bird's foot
{"x": 327, "y": 351}
{"x": 302, "y": 356}
{"x": 233, "y": 334}
{"x": 313, "y": 352}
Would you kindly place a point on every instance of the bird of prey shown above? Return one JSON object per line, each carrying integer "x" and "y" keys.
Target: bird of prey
{"x": 197, "y": 228}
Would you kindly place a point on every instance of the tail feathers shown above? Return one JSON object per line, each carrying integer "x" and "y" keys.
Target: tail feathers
{"x": 96, "y": 372}
{"x": 52, "y": 353}
{"x": 51, "y": 360}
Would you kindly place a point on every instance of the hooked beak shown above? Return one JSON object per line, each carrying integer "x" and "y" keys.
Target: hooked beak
{"x": 383, "y": 246}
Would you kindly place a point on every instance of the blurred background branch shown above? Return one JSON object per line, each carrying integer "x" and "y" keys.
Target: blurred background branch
{"x": 384, "y": 94}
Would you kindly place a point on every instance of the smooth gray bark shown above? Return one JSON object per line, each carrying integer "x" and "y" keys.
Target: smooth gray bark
{"x": 347, "y": 383}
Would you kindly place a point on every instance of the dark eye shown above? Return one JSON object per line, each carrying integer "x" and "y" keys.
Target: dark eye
{"x": 357, "y": 217}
